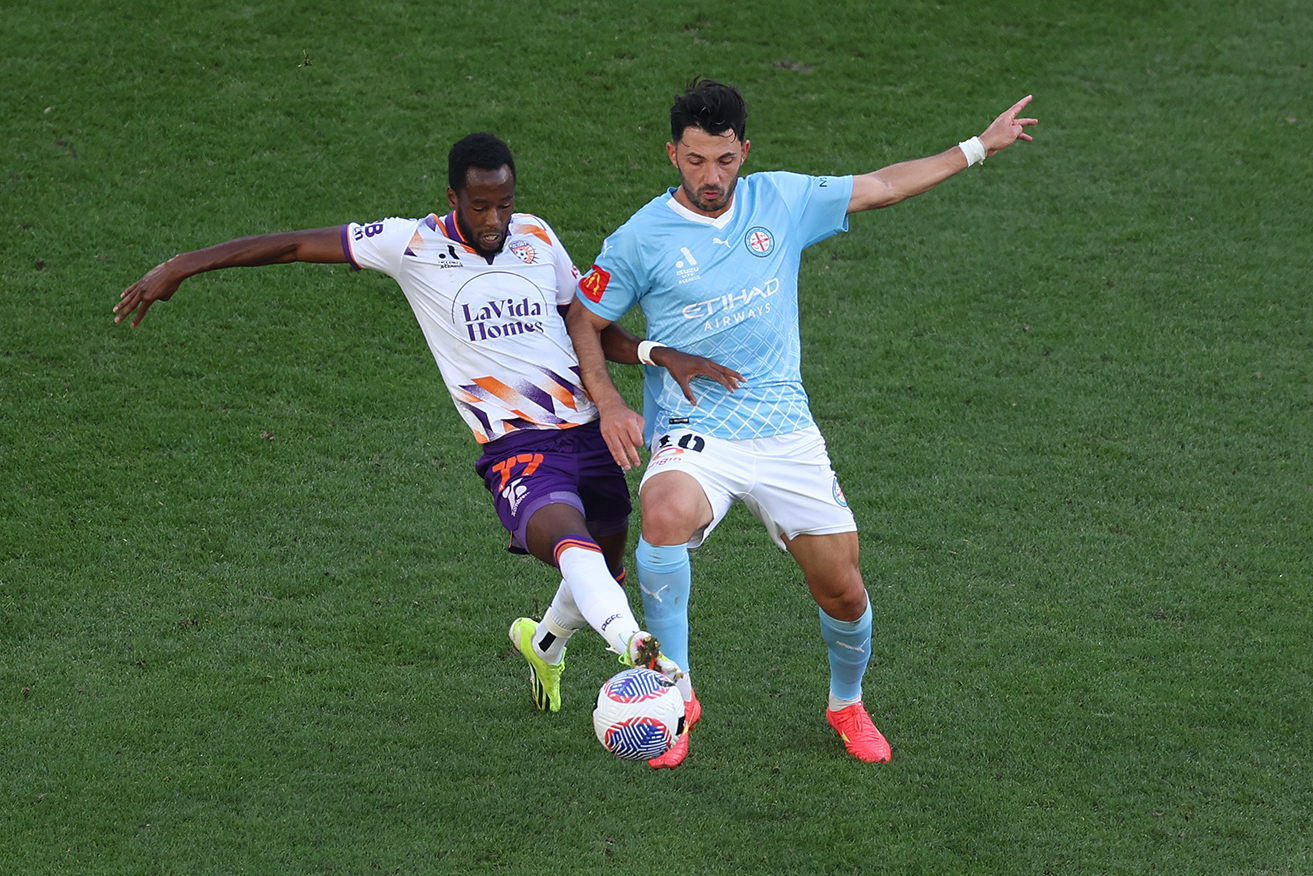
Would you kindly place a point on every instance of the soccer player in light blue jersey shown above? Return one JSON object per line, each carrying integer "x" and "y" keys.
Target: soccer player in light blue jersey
{"x": 713, "y": 263}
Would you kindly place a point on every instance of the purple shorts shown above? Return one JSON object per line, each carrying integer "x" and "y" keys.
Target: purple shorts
{"x": 526, "y": 470}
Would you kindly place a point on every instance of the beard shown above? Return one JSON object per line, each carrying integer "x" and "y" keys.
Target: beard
{"x": 709, "y": 199}
{"x": 473, "y": 240}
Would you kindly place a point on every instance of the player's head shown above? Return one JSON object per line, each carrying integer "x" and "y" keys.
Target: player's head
{"x": 711, "y": 106}
{"x": 481, "y": 190}
{"x": 707, "y": 145}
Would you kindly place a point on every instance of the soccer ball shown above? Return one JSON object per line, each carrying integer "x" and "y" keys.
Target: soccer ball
{"x": 639, "y": 714}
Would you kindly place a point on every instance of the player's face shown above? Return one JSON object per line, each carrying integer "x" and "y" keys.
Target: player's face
{"x": 483, "y": 208}
{"x": 708, "y": 167}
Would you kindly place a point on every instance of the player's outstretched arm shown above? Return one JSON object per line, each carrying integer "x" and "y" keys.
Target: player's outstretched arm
{"x": 904, "y": 180}
{"x": 322, "y": 245}
{"x": 622, "y": 427}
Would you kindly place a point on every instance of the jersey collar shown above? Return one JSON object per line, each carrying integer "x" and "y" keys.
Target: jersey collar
{"x": 718, "y": 222}
{"x": 453, "y": 233}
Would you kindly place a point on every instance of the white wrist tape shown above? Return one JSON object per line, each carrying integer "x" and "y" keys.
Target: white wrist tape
{"x": 645, "y": 349}
{"x": 973, "y": 149}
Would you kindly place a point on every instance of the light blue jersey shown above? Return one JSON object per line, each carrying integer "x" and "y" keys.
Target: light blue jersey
{"x": 724, "y": 288}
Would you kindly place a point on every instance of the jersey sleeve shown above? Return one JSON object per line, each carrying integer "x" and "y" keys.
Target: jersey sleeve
{"x": 567, "y": 275}
{"x": 819, "y": 204}
{"x": 611, "y": 286}
{"x": 378, "y": 245}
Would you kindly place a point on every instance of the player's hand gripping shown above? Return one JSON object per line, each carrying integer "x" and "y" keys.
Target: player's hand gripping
{"x": 1007, "y": 128}
{"x": 622, "y": 427}
{"x": 685, "y": 366}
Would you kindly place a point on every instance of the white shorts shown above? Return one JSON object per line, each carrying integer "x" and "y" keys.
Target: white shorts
{"x": 785, "y": 481}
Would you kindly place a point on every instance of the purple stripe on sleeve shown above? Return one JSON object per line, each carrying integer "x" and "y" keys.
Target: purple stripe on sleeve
{"x": 346, "y": 249}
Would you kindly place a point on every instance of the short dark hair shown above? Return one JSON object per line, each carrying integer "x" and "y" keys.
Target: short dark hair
{"x": 710, "y": 105}
{"x": 480, "y": 150}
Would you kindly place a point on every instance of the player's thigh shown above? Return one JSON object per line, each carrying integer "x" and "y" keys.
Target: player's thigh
{"x": 602, "y": 488}
{"x": 674, "y": 507}
{"x": 548, "y": 524}
{"x": 689, "y": 485}
{"x": 604, "y": 492}
{"x": 795, "y": 490}
{"x": 526, "y": 478}
{"x": 830, "y": 564}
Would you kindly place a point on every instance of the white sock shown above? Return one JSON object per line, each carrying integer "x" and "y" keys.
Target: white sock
{"x": 599, "y": 599}
{"x": 560, "y": 622}
{"x": 836, "y": 703}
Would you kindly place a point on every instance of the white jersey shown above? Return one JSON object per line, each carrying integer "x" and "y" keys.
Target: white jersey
{"x": 492, "y": 323}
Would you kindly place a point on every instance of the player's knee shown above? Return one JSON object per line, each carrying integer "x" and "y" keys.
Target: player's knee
{"x": 853, "y": 603}
{"x": 843, "y": 597}
{"x": 666, "y": 524}
{"x": 672, "y": 511}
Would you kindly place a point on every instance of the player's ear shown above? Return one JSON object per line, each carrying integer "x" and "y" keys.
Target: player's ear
{"x": 747, "y": 144}
{"x": 452, "y": 200}
{"x": 670, "y": 151}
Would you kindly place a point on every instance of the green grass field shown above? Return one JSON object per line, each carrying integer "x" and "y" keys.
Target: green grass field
{"x": 253, "y": 600}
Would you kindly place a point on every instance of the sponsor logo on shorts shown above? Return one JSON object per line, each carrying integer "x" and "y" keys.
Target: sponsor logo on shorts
{"x": 594, "y": 284}
{"x": 665, "y": 457}
{"x": 514, "y": 494}
{"x": 669, "y": 450}
{"x": 838, "y": 494}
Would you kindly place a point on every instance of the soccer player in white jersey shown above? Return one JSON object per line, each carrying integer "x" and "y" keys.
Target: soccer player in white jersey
{"x": 713, "y": 263}
{"x": 489, "y": 287}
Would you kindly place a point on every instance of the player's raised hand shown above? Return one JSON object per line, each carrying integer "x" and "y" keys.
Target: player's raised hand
{"x": 685, "y": 366}
{"x": 1007, "y": 128}
{"x": 159, "y": 284}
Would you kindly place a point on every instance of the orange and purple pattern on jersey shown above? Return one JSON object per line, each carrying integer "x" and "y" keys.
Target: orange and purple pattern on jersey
{"x": 524, "y": 406}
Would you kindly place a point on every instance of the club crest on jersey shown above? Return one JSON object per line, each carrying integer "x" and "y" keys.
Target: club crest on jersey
{"x": 594, "y": 285}
{"x": 524, "y": 251}
{"x": 760, "y": 241}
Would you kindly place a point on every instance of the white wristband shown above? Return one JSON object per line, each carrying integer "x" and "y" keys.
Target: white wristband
{"x": 645, "y": 349}
{"x": 973, "y": 149}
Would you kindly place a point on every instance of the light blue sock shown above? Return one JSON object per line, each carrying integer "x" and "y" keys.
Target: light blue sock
{"x": 665, "y": 577}
{"x": 850, "y": 651}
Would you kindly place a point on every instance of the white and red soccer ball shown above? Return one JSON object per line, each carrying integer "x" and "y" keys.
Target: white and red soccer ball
{"x": 639, "y": 714}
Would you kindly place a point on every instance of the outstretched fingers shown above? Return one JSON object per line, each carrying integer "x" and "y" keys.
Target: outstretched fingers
{"x": 1007, "y": 128}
